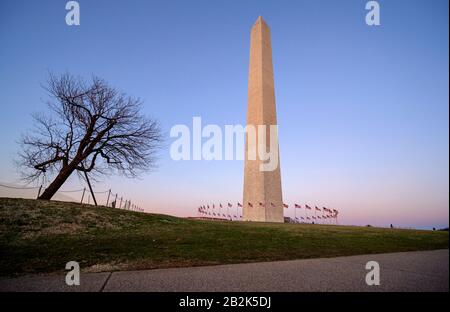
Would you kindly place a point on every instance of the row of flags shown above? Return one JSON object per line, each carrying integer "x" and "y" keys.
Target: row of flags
{"x": 205, "y": 210}
{"x": 324, "y": 212}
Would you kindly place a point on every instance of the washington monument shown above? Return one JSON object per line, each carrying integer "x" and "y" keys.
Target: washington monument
{"x": 262, "y": 189}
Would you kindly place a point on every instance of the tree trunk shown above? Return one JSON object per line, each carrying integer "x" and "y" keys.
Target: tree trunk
{"x": 90, "y": 188}
{"x": 62, "y": 176}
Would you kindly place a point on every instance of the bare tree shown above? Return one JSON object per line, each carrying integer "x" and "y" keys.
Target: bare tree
{"x": 91, "y": 128}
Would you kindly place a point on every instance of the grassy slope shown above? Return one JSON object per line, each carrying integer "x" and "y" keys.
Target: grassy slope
{"x": 40, "y": 236}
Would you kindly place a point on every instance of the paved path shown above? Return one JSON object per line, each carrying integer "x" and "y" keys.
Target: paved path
{"x": 408, "y": 271}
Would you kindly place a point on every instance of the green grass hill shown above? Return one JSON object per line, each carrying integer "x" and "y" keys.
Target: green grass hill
{"x": 42, "y": 236}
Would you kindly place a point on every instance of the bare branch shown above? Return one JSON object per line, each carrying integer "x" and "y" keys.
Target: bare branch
{"x": 89, "y": 128}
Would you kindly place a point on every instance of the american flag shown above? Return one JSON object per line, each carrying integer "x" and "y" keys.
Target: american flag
{"x": 261, "y": 204}
{"x": 239, "y": 204}
{"x": 230, "y": 205}
{"x": 285, "y": 206}
{"x": 250, "y": 204}
{"x": 307, "y": 207}
{"x": 297, "y": 206}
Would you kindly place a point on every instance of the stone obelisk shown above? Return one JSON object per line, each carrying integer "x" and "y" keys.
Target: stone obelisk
{"x": 262, "y": 189}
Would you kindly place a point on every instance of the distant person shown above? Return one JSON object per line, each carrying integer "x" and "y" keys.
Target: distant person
{"x": 392, "y": 226}
{"x": 434, "y": 229}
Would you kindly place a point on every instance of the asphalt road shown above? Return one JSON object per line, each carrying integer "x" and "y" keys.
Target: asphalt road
{"x": 407, "y": 271}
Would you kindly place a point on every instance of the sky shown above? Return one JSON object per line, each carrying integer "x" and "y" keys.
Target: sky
{"x": 362, "y": 111}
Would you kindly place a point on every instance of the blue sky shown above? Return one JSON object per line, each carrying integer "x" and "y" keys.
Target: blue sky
{"x": 362, "y": 111}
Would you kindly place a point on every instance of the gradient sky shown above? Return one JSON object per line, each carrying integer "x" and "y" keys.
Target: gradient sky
{"x": 362, "y": 111}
